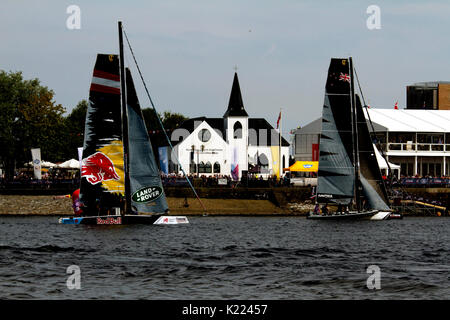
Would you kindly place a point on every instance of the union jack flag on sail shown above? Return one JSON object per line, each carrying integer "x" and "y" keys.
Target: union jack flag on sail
{"x": 344, "y": 77}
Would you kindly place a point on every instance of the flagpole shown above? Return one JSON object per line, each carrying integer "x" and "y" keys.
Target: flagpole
{"x": 279, "y": 152}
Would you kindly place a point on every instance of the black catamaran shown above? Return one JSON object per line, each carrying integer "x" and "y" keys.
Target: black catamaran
{"x": 120, "y": 181}
{"x": 349, "y": 177}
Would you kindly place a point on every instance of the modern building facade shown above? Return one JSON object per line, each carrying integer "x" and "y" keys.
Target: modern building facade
{"x": 416, "y": 140}
{"x": 428, "y": 95}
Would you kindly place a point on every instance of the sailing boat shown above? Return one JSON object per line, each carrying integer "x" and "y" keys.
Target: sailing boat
{"x": 349, "y": 177}
{"x": 120, "y": 181}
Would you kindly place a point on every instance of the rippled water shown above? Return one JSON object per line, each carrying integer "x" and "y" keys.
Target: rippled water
{"x": 226, "y": 258}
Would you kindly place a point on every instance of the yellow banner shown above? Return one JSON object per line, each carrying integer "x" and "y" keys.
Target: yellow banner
{"x": 275, "y": 150}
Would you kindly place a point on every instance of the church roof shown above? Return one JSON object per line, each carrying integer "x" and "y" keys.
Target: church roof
{"x": 272, "y": 137}
{"x": 235, "y": 105}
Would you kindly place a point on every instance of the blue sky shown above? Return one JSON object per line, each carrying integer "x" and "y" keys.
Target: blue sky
{"x": 187, "y": 50}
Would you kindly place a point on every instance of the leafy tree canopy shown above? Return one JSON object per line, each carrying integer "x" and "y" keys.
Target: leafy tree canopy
{"x": 28, "y": 118}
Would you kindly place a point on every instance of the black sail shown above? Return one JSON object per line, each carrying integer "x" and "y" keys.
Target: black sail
{"x": 336, "y": 176}
{"x": 373, "y": 187}
{"x": 145, "y": 180}
{"x": 102, "y": 175}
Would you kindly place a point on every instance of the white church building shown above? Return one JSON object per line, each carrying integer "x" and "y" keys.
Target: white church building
{"x": 231, "y": 145}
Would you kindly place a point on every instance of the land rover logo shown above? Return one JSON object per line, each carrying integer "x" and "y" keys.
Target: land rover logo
{"x": 147, "y": 194}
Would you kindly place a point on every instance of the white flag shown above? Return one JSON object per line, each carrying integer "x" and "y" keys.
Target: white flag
{"x": 80, "y": 156}
{"x": 36, "y": 155}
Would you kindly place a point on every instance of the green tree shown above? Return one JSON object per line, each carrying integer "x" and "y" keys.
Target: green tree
{"x": 29, "y": 118}
{"x": 172, "y": 121}
{"x": 74, "y": 123}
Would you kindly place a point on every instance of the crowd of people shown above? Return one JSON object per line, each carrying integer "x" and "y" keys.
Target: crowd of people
{"x": 215, "y": 180}
{"x": 52, "y": 176}
{"x": 71, "y": 176}
{"x": 59, "y": 176}
{"x": 420, "y": 181}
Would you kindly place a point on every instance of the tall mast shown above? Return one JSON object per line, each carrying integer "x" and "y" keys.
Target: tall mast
{"x": 355, "y": 136}
{"x": 127, "y": 207}
{"x": 280, "y": 169}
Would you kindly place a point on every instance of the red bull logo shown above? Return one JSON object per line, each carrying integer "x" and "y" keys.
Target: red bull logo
{"x": 109, "y": 220}
{"x": 97, "y": 168}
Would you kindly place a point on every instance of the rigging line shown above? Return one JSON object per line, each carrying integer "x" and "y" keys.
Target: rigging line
{"x": 359, "y": 86}
{"x": 371, "y": 125}
{"x": 159, "y": 120}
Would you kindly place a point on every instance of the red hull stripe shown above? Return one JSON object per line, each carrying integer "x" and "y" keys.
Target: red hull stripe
{"x": 104, "y": 89}
{"x": 106, "y": 75}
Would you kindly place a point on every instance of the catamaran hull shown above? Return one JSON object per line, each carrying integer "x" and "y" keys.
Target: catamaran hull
{"x": 381, "y": 215}
{"x": 125, "y": 220}
{"x": 352, "y": 215}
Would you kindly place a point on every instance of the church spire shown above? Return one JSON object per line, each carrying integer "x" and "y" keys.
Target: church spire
{"x": 235, "y": 105}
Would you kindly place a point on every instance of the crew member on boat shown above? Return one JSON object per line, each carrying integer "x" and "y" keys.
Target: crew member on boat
{"x": 317, "y": 209}
{"x": 76, "y": 204}
{"x": 325, "y": 209}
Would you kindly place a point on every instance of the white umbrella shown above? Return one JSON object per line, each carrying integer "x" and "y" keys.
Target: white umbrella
{"x": 72, "y": 164}
{"x": 46, "y": 164}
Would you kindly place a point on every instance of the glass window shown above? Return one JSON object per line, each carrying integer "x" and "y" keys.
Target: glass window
{"x": 263, "y": 162}
{"x": 208, "y": 167}
{"x": 201, "y": 167}
{"x": 204, "y": 135}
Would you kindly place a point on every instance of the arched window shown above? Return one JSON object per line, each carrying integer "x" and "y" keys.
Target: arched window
{"x": 263, "y": 163}
{"x": 201, "y": 167}
{"x": 208, "y": 167}
{"x": 216, "y": 167}
{"x": 237, "y": 130}
{"x": 284, "y": 163}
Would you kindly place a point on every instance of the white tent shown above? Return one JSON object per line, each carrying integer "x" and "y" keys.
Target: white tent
{"x": 71, "y": 164}
{"x": 411, "y": 120}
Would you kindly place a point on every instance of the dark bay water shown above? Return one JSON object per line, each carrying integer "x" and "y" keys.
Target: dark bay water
{"x": 226, "y": 258}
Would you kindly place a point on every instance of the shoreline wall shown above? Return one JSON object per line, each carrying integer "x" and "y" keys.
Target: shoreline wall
{"x": 48, "y": 205}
